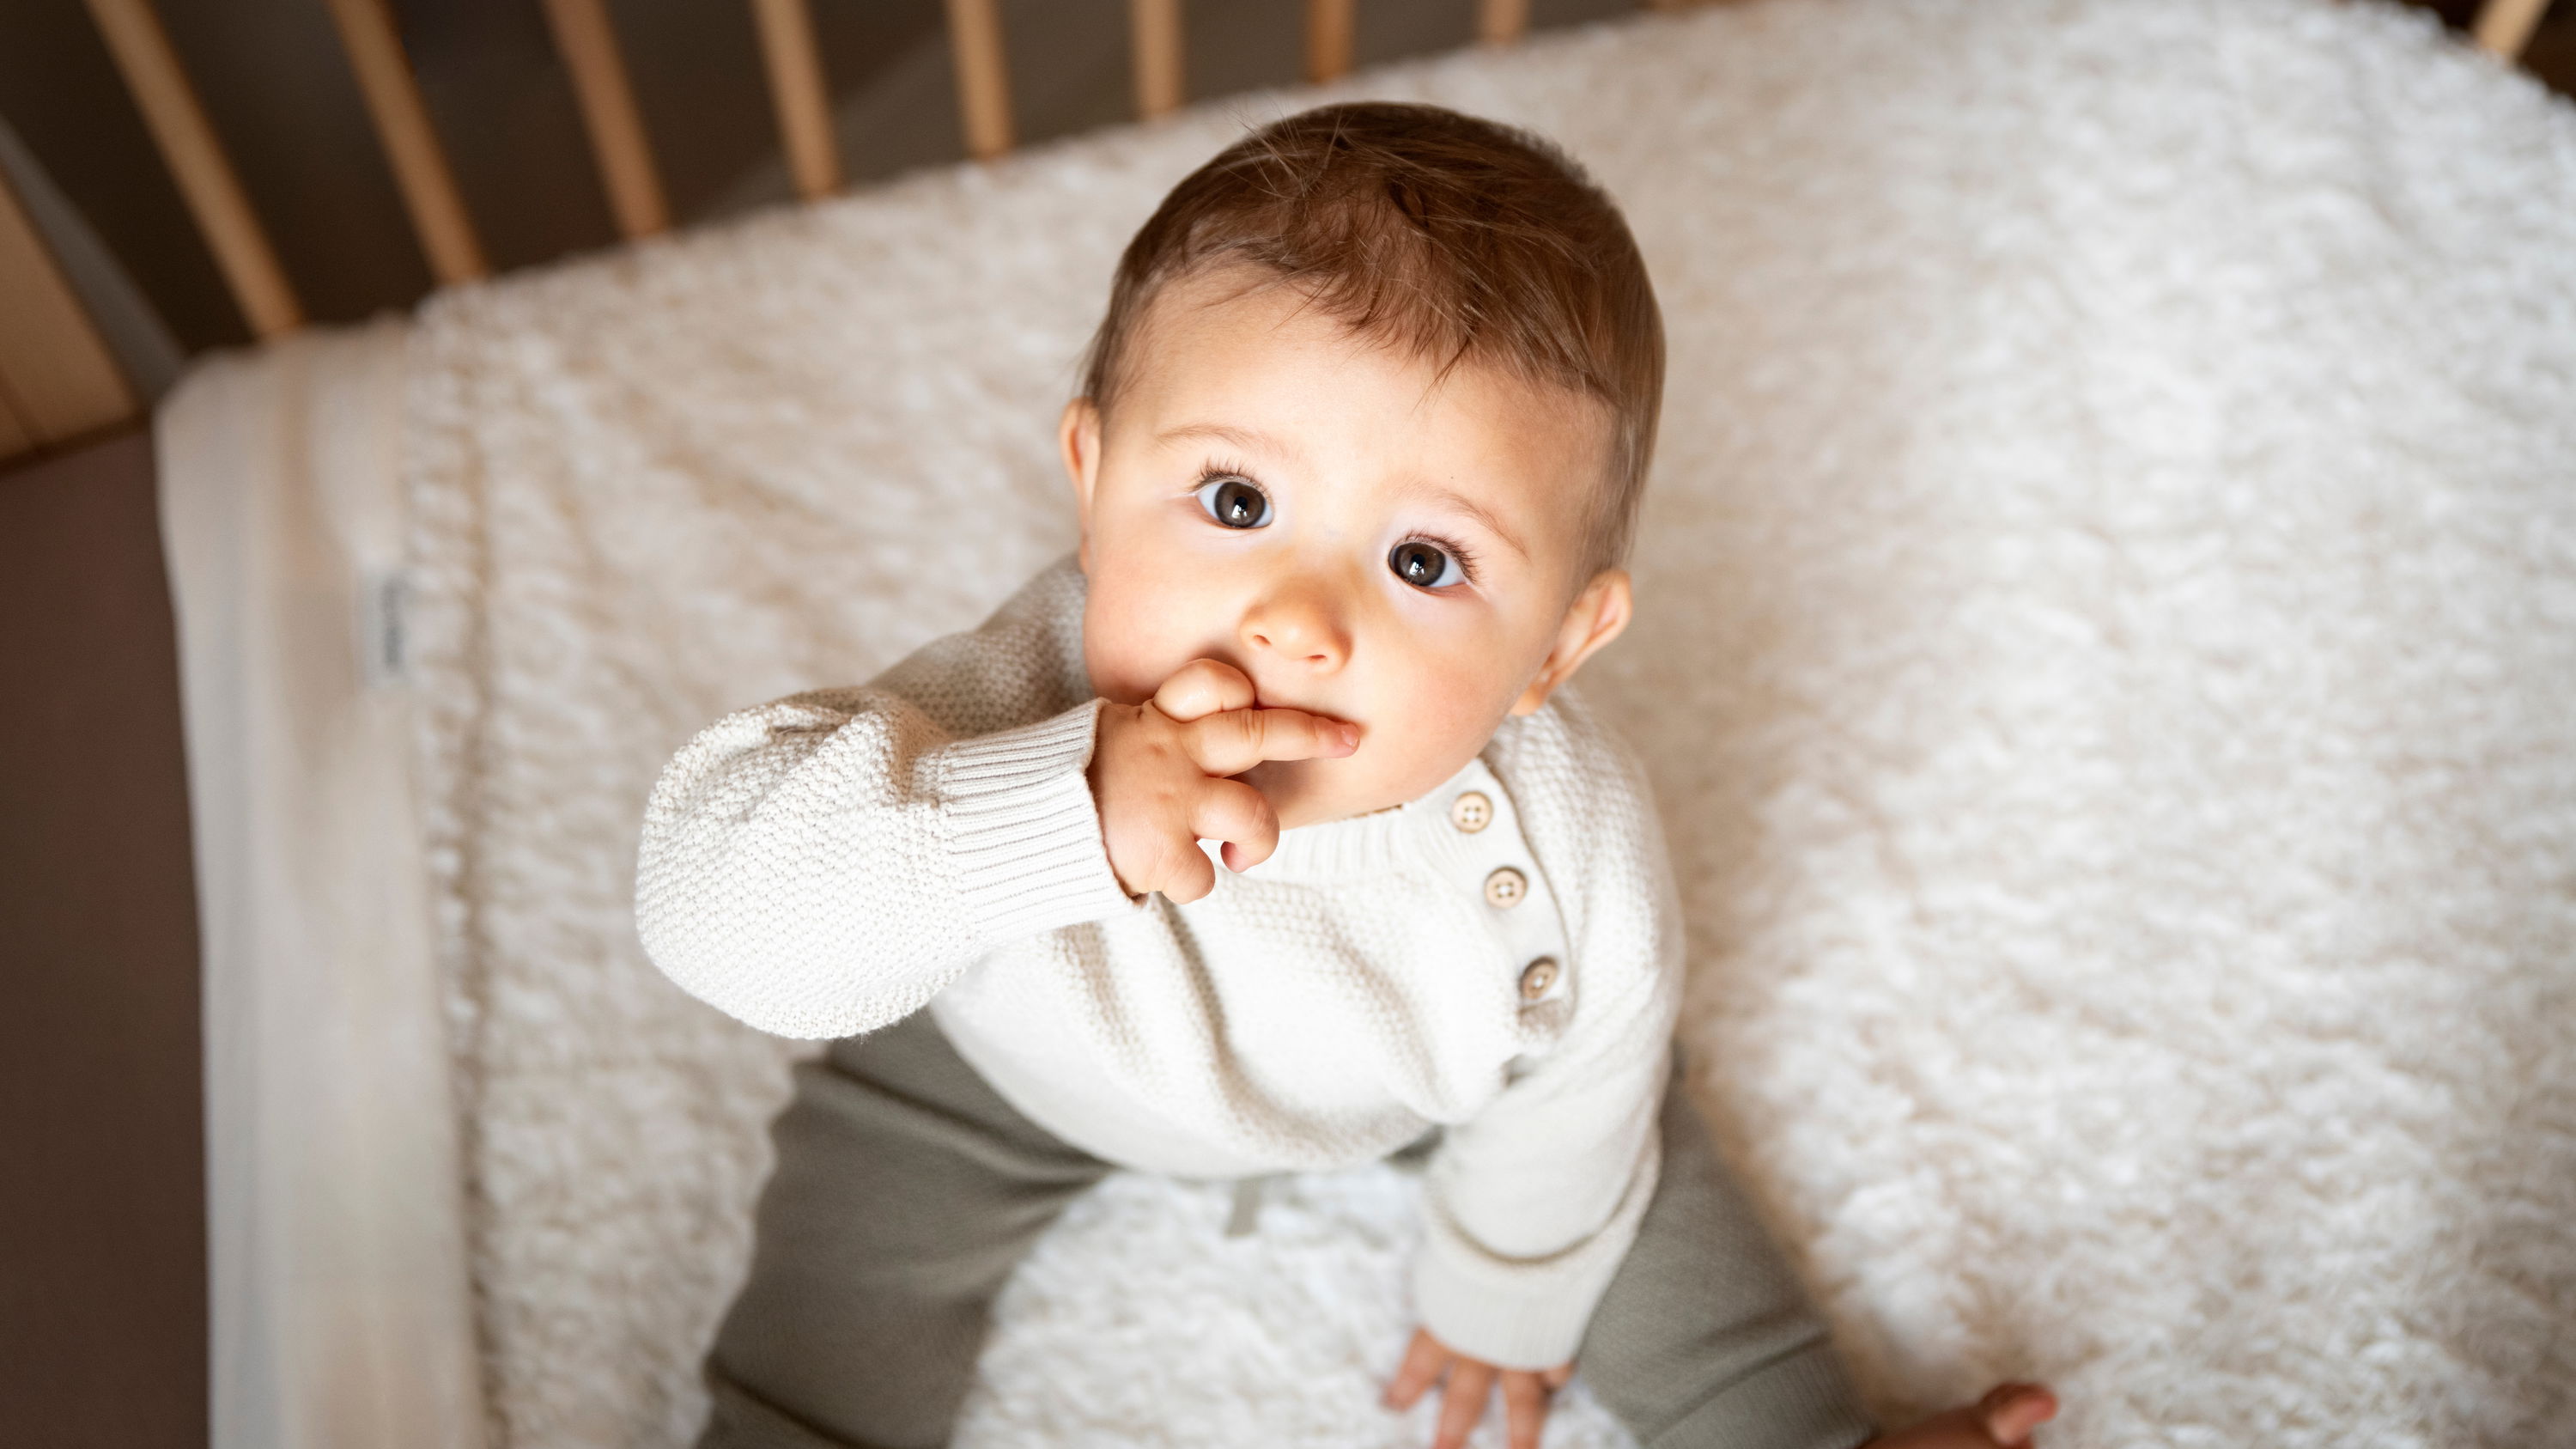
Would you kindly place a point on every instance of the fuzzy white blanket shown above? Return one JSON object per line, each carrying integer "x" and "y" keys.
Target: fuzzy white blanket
{"x": 2108, "y": 657}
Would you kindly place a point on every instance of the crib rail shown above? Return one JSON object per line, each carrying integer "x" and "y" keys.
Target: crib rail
{"x": 2505, "y": 26}
{"x": 58, "y": 380}
{"x": 796, "y": 87}
{"x": 177, "y": 121}
{"x": 419, "y": 163}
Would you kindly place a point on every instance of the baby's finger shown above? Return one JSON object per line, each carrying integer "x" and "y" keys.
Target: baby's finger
{"x": 2011, "y": 1411}
{"x": 1182, "y": 872}
{"x": 1462, "y": 1402}
{"x": 1238, "y": 739}
{"x": 1234, "y": 812}
{"x": 1423, "y": 1360}
{"x": 1524, "y": 1409}
{"x": 1203, "y": 687}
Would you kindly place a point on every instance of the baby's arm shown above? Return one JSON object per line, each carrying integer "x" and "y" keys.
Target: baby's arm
{"x": 824, "y": 864}
{"x": 1506, "y": 1200}
{"x": 1532, "y": 1206}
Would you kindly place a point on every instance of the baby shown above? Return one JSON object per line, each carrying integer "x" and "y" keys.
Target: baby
{"x": 1357, "y": 457}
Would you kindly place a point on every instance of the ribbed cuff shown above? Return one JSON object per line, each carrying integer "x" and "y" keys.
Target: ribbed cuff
{"x": 1802, "y": 1401}
{"x": 1023, "y": 832}
{"x": 1523, "y": 1326}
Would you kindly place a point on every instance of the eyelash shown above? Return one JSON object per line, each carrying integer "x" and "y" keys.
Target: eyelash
{"x": 1218, "y": 468}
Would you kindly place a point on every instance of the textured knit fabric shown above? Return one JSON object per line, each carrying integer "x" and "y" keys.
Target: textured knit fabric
{"x": 832, "y": 862}
{"x": 907, "y": 1191}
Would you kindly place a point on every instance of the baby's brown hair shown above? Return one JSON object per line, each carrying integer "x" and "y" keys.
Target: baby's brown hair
{"x": 1438, "y": 232}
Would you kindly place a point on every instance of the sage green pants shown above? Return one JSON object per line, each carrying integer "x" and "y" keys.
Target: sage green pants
{"x": 907, "y": 1190}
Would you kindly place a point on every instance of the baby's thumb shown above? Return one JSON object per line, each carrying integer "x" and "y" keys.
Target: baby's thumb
{"x": 2011, "y": 1411}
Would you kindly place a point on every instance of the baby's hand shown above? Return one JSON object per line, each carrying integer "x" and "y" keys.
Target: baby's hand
{"x": 1158, "y": 775}
{"x": 1462, "y": 1400}
{"x": 2003, "y": 1419}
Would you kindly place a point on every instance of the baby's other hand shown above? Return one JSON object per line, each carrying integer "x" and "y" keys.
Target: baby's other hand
{"x": 1462, "y": 1399}
{"x": 1158, "y": 775}
{"x": 2003, "y": 1419}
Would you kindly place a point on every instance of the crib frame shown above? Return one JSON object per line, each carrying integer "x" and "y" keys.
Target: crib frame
{"x": 60, "y": 383}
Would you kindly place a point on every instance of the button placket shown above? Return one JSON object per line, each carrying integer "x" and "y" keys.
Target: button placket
{"x": 1519, "y": 905}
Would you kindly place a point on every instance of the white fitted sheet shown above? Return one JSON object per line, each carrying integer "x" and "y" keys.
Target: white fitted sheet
{"x": 340, "y": 1304}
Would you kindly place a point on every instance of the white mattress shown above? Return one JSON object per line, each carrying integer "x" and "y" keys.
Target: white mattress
{"x": 2107, "y": 643}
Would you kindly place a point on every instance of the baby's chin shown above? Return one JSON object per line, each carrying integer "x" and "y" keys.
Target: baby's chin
{"x": 1311, "y": 792}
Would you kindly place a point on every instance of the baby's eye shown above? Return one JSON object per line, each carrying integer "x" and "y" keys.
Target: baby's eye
{"x": 1424, "y": 565}
{"x": 1234, "y": 502}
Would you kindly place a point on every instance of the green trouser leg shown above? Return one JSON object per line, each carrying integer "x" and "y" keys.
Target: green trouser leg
{"x": 907, "y": 1191}
{"x": 1704, "y": 1338}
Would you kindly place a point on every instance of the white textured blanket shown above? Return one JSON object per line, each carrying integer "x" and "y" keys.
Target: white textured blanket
{"x": 2108, "y": 657}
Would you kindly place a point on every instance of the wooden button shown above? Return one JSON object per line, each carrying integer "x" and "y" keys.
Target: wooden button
{"x": 1471, "y": 812}
{"x": 1537, "y": 977}
{"x": 1505, "y": 887}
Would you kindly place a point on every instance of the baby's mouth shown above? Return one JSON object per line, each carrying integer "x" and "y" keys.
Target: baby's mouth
{"x": 1261, "y": 700}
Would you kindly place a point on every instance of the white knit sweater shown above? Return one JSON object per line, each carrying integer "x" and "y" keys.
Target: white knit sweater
{"x": 827, "y": 864}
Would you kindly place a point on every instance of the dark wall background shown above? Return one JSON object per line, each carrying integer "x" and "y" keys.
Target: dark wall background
{"x": 102, "y": 1180}
{"x": 278, "y": 89}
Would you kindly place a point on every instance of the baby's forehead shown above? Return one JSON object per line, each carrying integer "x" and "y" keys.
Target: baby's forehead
{"x": 1237, "y": 326}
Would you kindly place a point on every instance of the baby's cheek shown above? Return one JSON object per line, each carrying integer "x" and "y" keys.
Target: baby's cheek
{"x": 1123, "y": 648}
{"x": 1435, "y": 718}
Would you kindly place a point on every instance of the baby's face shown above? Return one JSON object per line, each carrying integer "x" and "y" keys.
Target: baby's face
{"x": 1277, "y": 493}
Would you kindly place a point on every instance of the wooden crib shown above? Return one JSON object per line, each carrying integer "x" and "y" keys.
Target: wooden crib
{"x": 2098, "y": 491}
{"x": 59, "y": 382}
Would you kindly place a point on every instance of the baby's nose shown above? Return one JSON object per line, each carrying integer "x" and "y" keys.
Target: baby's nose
{"x": 1297, "y": 628}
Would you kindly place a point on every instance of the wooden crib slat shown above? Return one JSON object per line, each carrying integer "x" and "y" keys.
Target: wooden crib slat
{"x": 803, "y": 100}
{"x": 2505, "y": 26}
{"x": 428, "y": 185}
{"x": 179, "y": 127}
{"x": 57, "y": 379}
{"x": 983, "y": 76}
{"x": 1329, "y": 24}
{"x": 1501, "y": 22}
{"x": 608, "y": 113}
{"x": 1157, "y": 25}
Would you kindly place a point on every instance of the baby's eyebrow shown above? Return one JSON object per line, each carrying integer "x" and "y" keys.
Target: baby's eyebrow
{"x": 1240, "y": 437}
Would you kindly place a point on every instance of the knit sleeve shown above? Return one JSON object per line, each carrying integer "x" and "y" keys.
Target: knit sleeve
{"x": 1530, "y": 1205}
{"x": 824, "y": 864}
{"x": 1533, "y": 1205}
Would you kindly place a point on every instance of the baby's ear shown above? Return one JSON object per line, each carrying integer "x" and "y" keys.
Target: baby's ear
{"x": 1594, "y": 618}
{"x": 1078, "y": 435}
